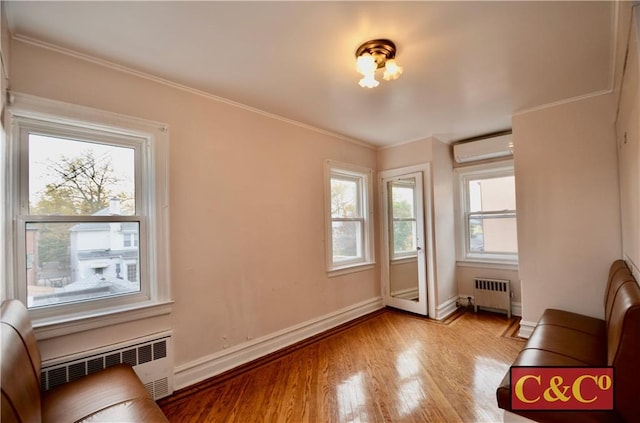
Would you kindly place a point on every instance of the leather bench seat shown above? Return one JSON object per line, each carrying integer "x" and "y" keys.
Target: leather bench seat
{"x": 562, "y": 338}
{"x": 588, "y": 349}
{"x": 115, "y": 394}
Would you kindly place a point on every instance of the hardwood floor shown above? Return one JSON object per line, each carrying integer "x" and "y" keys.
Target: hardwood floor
{"x": 390, "y": 367}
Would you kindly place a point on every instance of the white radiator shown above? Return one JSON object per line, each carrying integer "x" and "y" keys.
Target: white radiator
{"x": 492, "y": 293}
{"x": 151, "y": 358}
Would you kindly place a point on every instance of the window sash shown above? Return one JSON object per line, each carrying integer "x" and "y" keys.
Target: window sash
{"x": 363, "y": 237}
{"x": 88, "y": 135}
{"x": 488, "y": 217}
{"x": 82, "y": 134}
{"x": 465, "y": 249}
{"x": 358, "y": 239}
{"x": 100, "y": 302}
{"x": 358, "y": 200}
{"x": 62, "y": 120}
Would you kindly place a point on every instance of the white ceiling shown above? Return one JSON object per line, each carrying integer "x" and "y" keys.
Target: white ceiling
{"x": 468, "y": 66}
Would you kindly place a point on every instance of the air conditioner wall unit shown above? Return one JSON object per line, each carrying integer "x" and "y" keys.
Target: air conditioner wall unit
{"x": 486, "y": 148}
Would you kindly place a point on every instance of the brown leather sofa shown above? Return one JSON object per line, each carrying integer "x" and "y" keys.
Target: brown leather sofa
{"x": 114, "y": 394}
{"x": 562, "y": 338}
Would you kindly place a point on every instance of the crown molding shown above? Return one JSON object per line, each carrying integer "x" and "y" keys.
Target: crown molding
{"x": 120, "y": 68}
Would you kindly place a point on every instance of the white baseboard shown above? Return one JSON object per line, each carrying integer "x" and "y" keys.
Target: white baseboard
{"x": 516, "y": 309}
{"x": 198, "y": 370}
{"x": 445, "y": 309}
{"x": 526, "y": 328}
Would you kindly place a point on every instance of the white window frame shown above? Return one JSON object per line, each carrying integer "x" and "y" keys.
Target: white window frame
{"x": 364, "y": 177}
{"x": 26, "y": 113}
{"x": 463, "y": 175}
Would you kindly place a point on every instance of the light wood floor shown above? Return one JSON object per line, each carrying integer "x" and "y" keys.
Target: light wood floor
{"x": 391, "y": 367}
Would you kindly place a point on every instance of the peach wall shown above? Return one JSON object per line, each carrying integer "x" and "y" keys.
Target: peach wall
{"x": 628, "y": 135}
{"x": 568, "y": 205}
{"x": 405, "y": 155}
{"x": 444, "y": 216}
{"x": 246, "y": 209}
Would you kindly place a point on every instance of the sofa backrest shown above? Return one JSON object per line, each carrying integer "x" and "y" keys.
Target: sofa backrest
{"x": 20, "y": 378}
{"x": 622, "y": 313}
{"x": 619, "y": 274}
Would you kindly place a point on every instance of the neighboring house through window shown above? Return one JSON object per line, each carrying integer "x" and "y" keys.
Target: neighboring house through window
{"x": 130, "y": 239}
{"x": 487, "y": 213}
{"x": 349, "y": 216}
{"x": 89, "y": 199}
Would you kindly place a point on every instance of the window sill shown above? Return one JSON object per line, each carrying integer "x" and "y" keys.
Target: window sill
{"x": 485, "y": 264}
{"x": 54, "y": 327}
{"x": 350, "y": 269}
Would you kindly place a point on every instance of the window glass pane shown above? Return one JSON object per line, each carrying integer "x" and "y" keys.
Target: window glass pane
{"x": 492, "y": 194}
{"x": 70, "y": 262}
{"x": 404, "y": 237}
{"x": 493, "y": 234}
{"x": 347, "y": 240}
{"x": 402, "y": 201}
{"x": 344, "y": 198}
{"x": 69, "y": 178}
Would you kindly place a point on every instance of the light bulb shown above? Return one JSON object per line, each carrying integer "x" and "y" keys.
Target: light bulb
{"x": 391, "y": 70}
{"x": 366, "y": 64}
{"x": 369, "y": 81}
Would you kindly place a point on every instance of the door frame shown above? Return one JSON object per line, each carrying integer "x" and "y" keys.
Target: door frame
{"x": 426, "y": 290}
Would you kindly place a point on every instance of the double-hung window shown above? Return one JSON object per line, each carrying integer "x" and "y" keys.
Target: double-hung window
{"x": 487, "y": 213}
{"x": 349, "y": 216}
{"x": 87, "y": 202}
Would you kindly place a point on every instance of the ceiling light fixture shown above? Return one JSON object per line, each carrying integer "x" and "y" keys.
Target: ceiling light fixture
{"x": 373, "y": 55}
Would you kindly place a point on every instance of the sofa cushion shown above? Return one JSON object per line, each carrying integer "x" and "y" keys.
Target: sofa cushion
{"x": 139, "y": 410}
{"x": 569, "y": 320}
{"x": 536, "y": 357}
{"x": 114, "y": 394}
{"x": 570, "y": 343}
